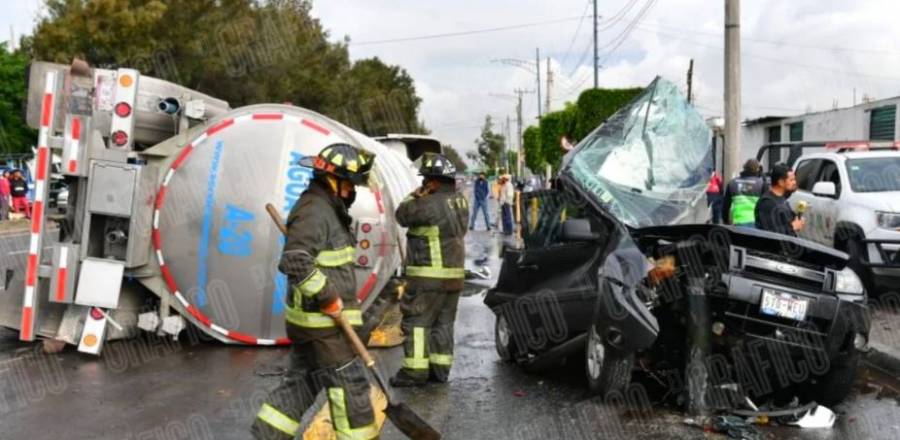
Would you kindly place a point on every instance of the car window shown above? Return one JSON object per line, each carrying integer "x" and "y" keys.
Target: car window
{"x": 805, "y": 173}
{"x": 829, "y": 173}
{"x": 880, "y": 174}
{"x": 542, "y": 216}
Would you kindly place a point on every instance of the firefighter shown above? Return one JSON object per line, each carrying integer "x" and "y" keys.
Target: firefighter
{"x": 318, "y": 260}
{"x": 436, "y": 215}
{"x": 742, "y": 194}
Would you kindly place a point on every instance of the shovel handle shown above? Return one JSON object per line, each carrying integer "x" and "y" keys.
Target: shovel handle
{"x": 276, "y": 217}
{"x": 357, "y": 344}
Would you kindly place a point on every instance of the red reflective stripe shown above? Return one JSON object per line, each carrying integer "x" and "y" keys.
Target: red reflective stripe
{"x": 379, "y": 202}
{"x": 198, "y": 315}
{"x": 268, "y": 116}
{"x": 184, "y": 153}
{"x": 167, "y": 276}
{"x": 384, "y": 247}
{"x": 73, "y": 166}
{"x": 76, "y": 128}
{"x": 42, "y": 163}
{"x": 157, "y": 240}
{"x": 31, "y": 271}
{"x": 367, "y": 287}
{"x": 45, "y": 109}
{"x": 25, "y": 333}
{"x": 240, "y": 337}
{"x": 283, "y": 341}
{"x": 219, "y": 127}
{"x": 315, "y": 126}
{"x": 36, "y": 212}
{"x": 160, "y": 197}
{"x": 61, "y": 286}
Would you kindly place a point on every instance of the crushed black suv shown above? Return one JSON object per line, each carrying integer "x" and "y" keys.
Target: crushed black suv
{"x": 619, "y": 265}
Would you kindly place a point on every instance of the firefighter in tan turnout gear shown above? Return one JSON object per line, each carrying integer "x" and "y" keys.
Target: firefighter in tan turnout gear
{"x": 318, "y": 260}
{"x": 436, "y": 215}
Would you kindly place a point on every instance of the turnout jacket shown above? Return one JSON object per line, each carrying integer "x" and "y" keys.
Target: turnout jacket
{"x": 437, "y": 221}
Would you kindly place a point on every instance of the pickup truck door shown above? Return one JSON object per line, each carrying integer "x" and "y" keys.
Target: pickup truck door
{"x": 825, "y": 210}
{"x": 807, "y": 172}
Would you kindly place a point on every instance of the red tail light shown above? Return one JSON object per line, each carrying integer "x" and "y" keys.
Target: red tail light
{"x": 123, "y": 110}
{"x": 120, "y": 138}
{"x": 363, "y": 260}
{"x": 366, "y": 228}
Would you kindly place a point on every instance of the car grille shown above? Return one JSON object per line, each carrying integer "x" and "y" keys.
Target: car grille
{"x": 780, "y": 270}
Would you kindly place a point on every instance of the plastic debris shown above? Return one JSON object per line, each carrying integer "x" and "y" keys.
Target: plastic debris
{"x": 818, "y": 417}
{"x": 736, "y": 428}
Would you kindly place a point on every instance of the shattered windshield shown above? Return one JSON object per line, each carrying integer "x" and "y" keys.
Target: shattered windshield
{"x": 648, "y": 163}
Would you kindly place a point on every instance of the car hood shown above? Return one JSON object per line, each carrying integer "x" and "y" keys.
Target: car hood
{"x": 648, "y": 164}
{"x": 888, "y": 201}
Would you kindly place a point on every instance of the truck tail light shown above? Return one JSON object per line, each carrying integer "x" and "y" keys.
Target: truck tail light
{"x": 120, "y": 138}
{"x": 123, "y": 110}
{"x": 363, "y": 260}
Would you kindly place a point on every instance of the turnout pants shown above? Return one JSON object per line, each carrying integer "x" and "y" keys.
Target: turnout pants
{"x": 428, "y": 317}
{"x": 322, "y": 362}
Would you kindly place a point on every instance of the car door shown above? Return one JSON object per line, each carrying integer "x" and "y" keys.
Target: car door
{"x": 806, "y": 173}
{"x": 823, "y": 211}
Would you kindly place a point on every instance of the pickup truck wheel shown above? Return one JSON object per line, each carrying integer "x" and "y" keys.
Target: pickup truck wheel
{"x": 857, "y": 252}
{"x": 607, "y": 369}
{"x": 832, "y": 387}
{"x": 504, "y": 339}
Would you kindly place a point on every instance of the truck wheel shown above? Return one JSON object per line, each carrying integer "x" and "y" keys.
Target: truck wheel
{"x": 607, "y": 369}
{"x": 504, "y": 340}
{"x": 857, "y": 252}
{"x": 832, "y": 387}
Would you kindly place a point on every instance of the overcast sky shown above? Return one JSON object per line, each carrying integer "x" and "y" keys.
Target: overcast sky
{"x": 798, "y": 55}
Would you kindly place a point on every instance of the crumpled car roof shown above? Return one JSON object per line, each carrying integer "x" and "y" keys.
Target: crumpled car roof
{"x": 649, "y": 163}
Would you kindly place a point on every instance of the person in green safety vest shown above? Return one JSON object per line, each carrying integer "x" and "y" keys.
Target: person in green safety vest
{"x": 742, "y": 194}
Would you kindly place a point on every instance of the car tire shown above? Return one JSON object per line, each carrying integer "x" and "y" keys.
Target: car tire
{"x": 857, "y": 251}
{"x": 504, "y": 339}
{"x": 607, "y": 369}
{"x": 832, "y": 387}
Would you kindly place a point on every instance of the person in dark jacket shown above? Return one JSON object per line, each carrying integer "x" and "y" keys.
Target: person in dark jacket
{"x": 18, "y": 188}
{"x": 742, "y": 194}
{"x": 481, "y": 193}
{"x": 436, "y": 216}
{"x": 318, "y": 261}
{"x": 773, "y": 212}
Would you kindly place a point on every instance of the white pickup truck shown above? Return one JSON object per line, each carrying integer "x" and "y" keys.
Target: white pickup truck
{"x": 854, "y": 197}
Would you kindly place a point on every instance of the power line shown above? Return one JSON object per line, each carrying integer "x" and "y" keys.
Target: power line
{"x": 464, "y": 33}
{"x": 575, "y": 35}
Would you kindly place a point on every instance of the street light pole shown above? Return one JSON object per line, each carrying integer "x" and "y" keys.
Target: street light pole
{"x": 537, "y": 63}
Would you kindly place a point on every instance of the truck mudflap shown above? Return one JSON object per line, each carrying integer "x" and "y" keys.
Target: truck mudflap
{"x": 624, "y": 321}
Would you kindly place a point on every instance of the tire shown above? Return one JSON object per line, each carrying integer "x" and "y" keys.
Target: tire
{"x": 607, "y": 369}
{"x": 504, "y": 340}
{"x": 857, "y": 252}
{"x": 832, "y": 387}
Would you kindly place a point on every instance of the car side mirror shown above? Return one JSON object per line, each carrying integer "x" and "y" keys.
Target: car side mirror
{"x": 825, "y": 189}
{"x": 578, "y": 229}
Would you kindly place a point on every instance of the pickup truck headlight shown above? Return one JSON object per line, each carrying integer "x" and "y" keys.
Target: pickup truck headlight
{"x": 847, "y": 282}
{"x": 888, "y": 220}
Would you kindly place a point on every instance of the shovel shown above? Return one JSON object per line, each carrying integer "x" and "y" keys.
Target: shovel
{"x": 401, "y": 415}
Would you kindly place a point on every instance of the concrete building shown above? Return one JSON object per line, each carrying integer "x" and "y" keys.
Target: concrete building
{"x": 874, "y": 120}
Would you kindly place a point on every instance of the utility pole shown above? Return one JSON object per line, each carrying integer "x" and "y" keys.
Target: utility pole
{"x": 519, "y": 93}
{"x": 596, "y": 56}
{"x": 732, "y": 87}
{"x": 537, "y": 63}
{"x": 690, "y": 81}
{"x": 549, "y": 85}
{"x": 12, "y": 39}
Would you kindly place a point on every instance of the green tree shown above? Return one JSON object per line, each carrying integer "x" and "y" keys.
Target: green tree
{"x": 531, "y": 143}
{"x": 553, "y": 126}
{"x": 15, "y": 135}
{"x": 490, "y": 146}
{"x": 242, "y": 51}
{"x": 454, "y": 157}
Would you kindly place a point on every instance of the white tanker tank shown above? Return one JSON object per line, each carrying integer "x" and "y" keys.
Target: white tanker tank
{"x": 184, "y": 218}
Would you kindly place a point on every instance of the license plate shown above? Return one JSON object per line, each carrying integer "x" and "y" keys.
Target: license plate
{"x": 783, "y": 305}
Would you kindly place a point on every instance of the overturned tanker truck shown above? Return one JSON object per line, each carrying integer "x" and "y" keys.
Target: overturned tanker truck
{"x": 166, "y": 211}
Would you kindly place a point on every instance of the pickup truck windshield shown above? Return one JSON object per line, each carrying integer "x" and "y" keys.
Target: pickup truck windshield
{"x": 877, "y": 174}
{"x": 649, "y": 163}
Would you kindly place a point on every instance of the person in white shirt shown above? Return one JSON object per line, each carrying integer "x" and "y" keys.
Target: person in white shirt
{"x": 506, "y": 198}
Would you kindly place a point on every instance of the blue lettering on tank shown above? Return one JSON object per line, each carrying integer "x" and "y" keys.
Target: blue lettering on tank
{"x": 298, "y": 178}
{"x": 234, "y": 240}
{"x": 206, "y": 228}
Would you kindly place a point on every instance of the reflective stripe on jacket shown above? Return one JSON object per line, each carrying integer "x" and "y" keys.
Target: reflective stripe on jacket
{"x": 318, "y": 259}
{"x": 436, "y": 237}
{"x": 741, "y": 197}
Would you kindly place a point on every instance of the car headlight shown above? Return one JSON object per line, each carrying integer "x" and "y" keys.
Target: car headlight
{"x": 888, "y": 220}
{"x": 846, "y": 281}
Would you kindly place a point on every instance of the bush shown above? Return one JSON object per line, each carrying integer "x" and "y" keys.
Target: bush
{"x": 596, "y": 105}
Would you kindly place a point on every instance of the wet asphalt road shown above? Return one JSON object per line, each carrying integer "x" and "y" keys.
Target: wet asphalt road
{"x": 158, "y": 389}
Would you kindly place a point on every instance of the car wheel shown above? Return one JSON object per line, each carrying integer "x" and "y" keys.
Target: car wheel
{"x": 607, "y": 369}
{"x": 504, "y": 339}
{"x": 832, "y": 387}
{"x": 857, "y": 252}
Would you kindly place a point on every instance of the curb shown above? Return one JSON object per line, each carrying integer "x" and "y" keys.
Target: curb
{"x": 884, "y": 358}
